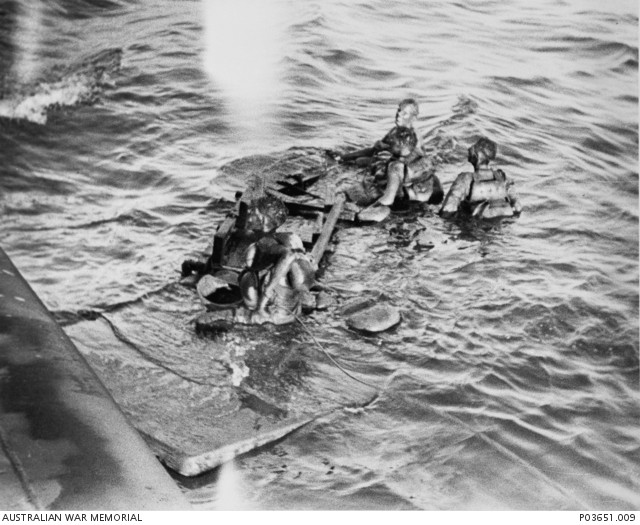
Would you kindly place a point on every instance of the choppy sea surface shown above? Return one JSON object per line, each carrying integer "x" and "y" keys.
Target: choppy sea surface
{"x": 513, "y": 381}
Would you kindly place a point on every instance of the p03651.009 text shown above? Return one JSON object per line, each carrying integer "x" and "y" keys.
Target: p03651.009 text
{"x": 608, "y": 516}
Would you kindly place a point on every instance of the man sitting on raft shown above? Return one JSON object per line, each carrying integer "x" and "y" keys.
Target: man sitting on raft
{"x": 278, "y": 275}
{"x": 392, "y": 172}
{"x": 405, "y": 117}
{"x": 276, "y": 280}
{"x": 486, "y": 193}
{"x": 417, "y": 166}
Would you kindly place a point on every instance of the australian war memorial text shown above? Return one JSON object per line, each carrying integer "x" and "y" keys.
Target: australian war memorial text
{"x": 70, "y": 516}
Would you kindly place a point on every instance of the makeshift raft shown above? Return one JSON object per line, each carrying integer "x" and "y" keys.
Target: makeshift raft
{"x": 314, "y": 208}
{"x": 200, "y": 401}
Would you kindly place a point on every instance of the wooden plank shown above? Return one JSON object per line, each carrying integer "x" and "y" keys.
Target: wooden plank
{"x": 220, "y": 239}
{"x": 303, "y": 180}
{"x": 289, "y": 199}
{"x": 310, "y": 205}
{"x": 299, "y": 204}
{"x": 293, "y": 192}
{"x": 327, "y": 230}
{"x": 328, "y": 192}
{"x": 348, "y": 216}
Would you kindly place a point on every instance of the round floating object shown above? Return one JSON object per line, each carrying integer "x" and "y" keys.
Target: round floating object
{"x": 375, "y": 318}
{"x": 218, "y": 292}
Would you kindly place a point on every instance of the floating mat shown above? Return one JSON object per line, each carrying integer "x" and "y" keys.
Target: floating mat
{"x": 200, "y": 401}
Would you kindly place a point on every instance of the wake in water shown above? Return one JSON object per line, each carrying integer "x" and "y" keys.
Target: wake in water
{"x": 77, "y": 84}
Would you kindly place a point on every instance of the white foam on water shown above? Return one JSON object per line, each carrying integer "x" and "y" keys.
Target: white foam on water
{"x": 33, "y": 107}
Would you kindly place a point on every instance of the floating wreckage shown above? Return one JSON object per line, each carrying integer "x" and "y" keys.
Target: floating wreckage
{"x": 315, "y": 201}
{"x": 200, "y": 401}
{"x": 313, "y": 209}
{"x": 370, "y": 317}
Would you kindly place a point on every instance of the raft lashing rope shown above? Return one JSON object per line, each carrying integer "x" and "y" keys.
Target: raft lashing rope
{"x": 328, "y": 355}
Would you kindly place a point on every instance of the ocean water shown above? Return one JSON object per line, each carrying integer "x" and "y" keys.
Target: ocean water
{"x": 513, "y": 381}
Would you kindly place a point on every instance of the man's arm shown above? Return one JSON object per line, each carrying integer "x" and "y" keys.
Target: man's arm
{"x": 273, "y": 244}
{"x": 355, "y": 155}
{"x": 457, "y": 193}
{"x": 384, "y": 144}
{"x": 380, "y": 145}
{"x": 277, "y": 274}
{"x": 513, "y": 197}
{"x": 419, "y": 164}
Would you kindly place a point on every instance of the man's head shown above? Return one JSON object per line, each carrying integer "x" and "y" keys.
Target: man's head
{"x": 407, "y": 112}
{"x": 482, "y": 152}
{"x": 266, "y": 214}
{"x": 402, "y": 141}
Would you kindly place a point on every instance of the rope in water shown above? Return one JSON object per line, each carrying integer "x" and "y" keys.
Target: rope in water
{"x": 324, "y": 351}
